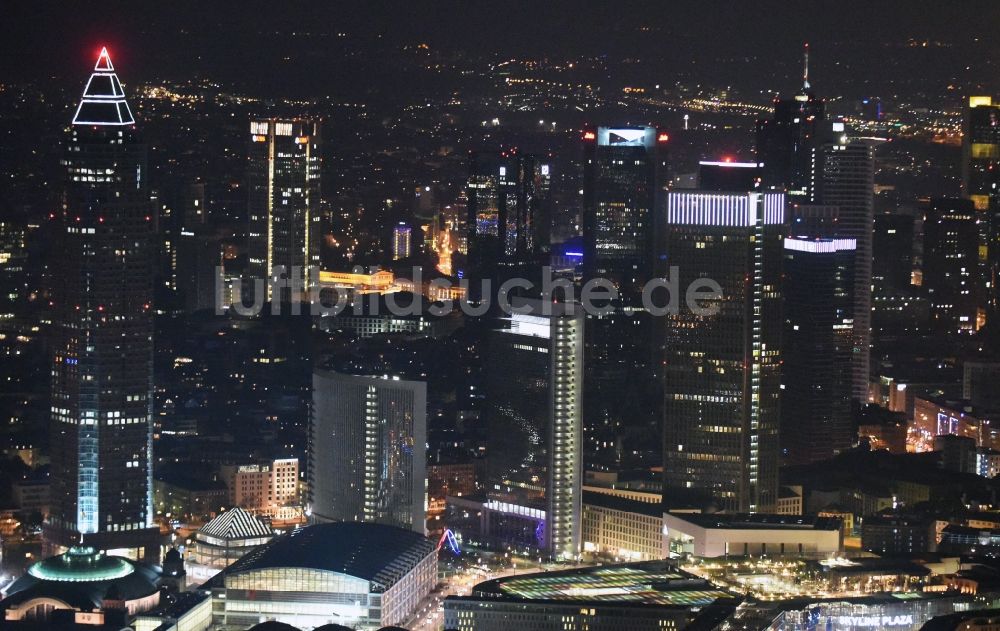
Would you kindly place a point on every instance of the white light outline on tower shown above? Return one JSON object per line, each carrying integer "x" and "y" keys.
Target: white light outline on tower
{"x": 108, "y": 70}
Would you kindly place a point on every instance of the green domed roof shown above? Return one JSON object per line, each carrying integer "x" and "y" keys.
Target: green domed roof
{"x": 81, "y": 564}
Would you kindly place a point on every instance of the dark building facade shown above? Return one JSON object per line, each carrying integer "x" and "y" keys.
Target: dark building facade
{"x": 102, "y": 358}
{"x": 951, "y": 270}
{"x": 722, "y": 368}
{"x": 892, "y": 252}
{"x": 625, "y": 175}
{"x": 816, "y": 349}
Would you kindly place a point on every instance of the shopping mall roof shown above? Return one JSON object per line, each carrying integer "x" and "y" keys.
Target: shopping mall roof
{"x": 372, "y": 552}
{"x": 647, "y": 583}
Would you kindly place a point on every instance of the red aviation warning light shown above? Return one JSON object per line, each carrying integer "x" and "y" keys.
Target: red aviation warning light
{"x": 104, "y": 61}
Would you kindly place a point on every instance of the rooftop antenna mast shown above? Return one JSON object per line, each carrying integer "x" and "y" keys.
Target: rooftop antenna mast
{"x": 805, "y": 67}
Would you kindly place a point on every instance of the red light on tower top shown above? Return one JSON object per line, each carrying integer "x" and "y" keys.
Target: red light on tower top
{"x": 104, "y": 61}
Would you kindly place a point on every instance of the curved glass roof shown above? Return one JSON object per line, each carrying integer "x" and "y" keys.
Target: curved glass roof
{"x": 81, "y": 564}
{"x": 372, "y": 552}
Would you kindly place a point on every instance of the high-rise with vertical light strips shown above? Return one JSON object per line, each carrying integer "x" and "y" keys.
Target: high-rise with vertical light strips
{"x": 368, "y": 447}
{"x": 722, "y": 365}
{"x": 534, "y": 386}
{"x": 102, "y": 360}
{"x": 283, "y": 180}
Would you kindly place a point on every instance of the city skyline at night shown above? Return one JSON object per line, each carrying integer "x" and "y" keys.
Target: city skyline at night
{"x": 460, "y": 317}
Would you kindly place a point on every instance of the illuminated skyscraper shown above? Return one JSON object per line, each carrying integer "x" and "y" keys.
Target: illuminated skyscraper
{"x": 843, "y": 175}
{"x": 981, "y": 184}
{"x": 368, "y": 442}
{"x": 533, "y": 394}
{"x": 283, "y": 181}
{"x": 508, "y": 208}
{"x": 816, "y": 348}
{"x": 981, "y": 151}
{"x": 102, "y": 359}
{"x": 722, "y": 370}
{"x": 816, "y": 161}
{"x": 401, "y": 241}
{"x": 951, "y": 265}
{"x": 624, "y": 175}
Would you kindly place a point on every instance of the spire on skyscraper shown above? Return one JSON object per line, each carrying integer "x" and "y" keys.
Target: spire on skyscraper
{"x": 103, "y": 101}
{"x": 805, "y": 67}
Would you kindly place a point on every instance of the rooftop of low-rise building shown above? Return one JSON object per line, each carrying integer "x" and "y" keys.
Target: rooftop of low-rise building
{"x": 757, "y": 521}
{"x": 647, "y": 583}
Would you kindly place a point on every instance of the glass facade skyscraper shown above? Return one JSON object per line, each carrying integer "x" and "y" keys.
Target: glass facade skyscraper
{"x": 625, "y": 174}
{"x": 368, "y": 448}
{"x": 283, "y": 205}
{"x": 843, "y": 175}
{"x": 509, "y": 214}
{"x": 722, "y": 369}
{"x": 981, "y": 184}
{"x": 817, "y": 341}
{"x": 102, "y": 334}
{"x": 533, "y": 395}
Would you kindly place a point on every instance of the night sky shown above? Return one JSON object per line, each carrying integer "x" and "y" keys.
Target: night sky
{"x": 858, "y": 46}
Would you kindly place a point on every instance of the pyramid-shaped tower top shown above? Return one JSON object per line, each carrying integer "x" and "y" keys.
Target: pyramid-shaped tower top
{"x": 104, "y": 61}
{"x": 103, "y": 101}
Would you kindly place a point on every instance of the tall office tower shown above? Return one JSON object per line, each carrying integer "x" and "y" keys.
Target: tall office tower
{"x": 534, "y": 385}
{"x": 784, "y": 141}
{"x": 401, "y": 234}
{"x": 981, "y": 184}
{"x": 951, "y": 265}
{"x": 843, "y": 175}
{"x": 625, "y": 173}
{"x": 816, "y": 348}
{"x": 722, "y": 371}
{"x": 199, "y": 268}
{"x": 892, "y": 252}
{"x": 283, "y": 182}
{"x": 368, "y": 444}
{"x": 898, "y": 305}
{"x": 508, "y": 210}
{"x": 981, "y": 151}
{"x": 102, "y": 364}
